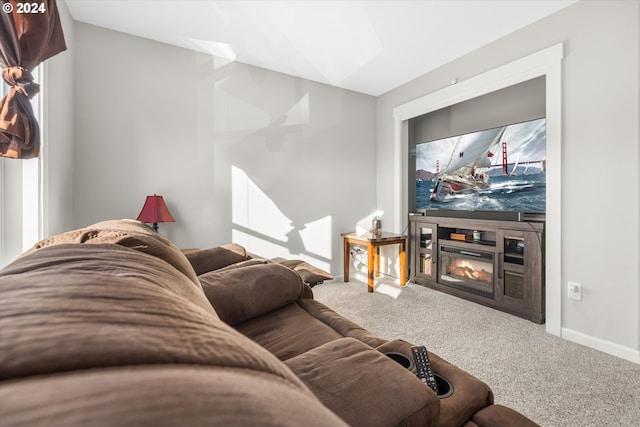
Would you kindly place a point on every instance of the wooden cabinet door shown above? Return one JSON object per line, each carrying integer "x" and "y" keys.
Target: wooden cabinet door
{"x": 426, "y": 250}
{"x": 520, "y": 285}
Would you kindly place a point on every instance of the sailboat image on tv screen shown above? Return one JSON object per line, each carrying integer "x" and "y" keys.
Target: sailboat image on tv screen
{"x": 466, "y": 170}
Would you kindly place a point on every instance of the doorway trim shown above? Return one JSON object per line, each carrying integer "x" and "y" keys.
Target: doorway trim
{"x": 548, "y": 63}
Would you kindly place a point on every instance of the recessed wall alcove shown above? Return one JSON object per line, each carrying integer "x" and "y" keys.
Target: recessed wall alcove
{"x": 546, "y": 63}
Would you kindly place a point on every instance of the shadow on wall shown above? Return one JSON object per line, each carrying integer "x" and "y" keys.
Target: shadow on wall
{"x": 295, "y": 162}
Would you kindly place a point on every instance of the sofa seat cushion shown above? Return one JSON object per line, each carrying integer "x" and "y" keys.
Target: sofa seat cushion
{"x": 159, "y": 396}
{"x": 364, "y": 387}
{"x": 288, "y": 331}
{"x": 341, "y": 324}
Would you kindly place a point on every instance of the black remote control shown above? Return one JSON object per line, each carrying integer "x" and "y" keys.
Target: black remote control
{"x": 423, "y": 367}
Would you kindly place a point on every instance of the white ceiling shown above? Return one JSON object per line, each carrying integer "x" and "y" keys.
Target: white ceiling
{"x": 365, "y": 46}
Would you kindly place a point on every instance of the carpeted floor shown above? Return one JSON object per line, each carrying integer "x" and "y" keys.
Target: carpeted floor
{"x": 552, "y": 381}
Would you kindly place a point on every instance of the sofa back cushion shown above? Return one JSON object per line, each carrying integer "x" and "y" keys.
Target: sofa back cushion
{"x": 160, "y": 396}
{"x": 130, "y": 234}
{"x": 74, "y": 306}
{"x": 211, "y": 259}
{"x": 239, "y": 294}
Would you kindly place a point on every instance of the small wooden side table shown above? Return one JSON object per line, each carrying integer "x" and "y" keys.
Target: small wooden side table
{"x": 373, "y": 243}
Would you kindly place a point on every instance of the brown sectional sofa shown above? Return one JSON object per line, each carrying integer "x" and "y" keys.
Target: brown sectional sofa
{"x": 111, "y": 326}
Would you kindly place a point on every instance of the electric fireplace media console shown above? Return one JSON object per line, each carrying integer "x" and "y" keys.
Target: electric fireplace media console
{"x": 496, "y": 263}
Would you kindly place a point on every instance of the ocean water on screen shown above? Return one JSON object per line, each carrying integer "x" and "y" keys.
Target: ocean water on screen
{"x": 521, "y": 193}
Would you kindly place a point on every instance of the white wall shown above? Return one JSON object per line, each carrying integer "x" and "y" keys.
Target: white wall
{"x": 600, "y": 215}
{"x": 279, "y": 164}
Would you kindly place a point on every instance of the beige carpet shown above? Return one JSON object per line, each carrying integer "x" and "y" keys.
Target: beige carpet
{"x": 552, "y": 381}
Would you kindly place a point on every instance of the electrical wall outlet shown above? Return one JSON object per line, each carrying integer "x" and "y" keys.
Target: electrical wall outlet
{"x": 574, "y": 291}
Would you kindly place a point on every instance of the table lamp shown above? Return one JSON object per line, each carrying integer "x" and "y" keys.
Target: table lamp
{"x": 155, "y": 211}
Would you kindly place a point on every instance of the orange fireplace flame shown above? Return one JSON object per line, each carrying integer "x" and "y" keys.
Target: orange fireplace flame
{"x": 466, "y": 269}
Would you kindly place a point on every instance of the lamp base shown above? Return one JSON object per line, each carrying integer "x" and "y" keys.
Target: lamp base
{"x": 155, "y": 227}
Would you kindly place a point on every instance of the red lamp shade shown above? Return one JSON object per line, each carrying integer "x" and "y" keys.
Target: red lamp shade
{"x": 155, "y": 211}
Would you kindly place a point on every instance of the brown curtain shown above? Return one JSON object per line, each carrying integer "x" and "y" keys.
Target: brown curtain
{"x": 26, "y": 39}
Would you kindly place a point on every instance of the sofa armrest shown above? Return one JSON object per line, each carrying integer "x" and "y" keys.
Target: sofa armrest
{"x": 363, "y": 387}
{"x": 469, "y": 394}
{"x": 240, "y": 294}
{"x": 498, "y": 415}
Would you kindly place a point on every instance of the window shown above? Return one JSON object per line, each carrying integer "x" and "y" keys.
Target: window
{"x": 3, "y": 92}
{"x": 20, "y": 197}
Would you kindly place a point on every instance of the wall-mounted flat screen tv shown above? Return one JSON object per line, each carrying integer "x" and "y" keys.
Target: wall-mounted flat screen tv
{"x": 493, "y": 170}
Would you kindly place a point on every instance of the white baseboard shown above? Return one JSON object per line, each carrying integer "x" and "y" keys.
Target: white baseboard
{"x": 608, "y": 347}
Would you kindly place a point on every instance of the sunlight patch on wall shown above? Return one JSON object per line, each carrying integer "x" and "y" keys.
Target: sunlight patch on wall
{"x": 258, "y": 246}
{"x": 254, "y": 210}
{"x": 316, "y": 237}
{"x": 265, "y": 231}
{"x": 264, "y": 248}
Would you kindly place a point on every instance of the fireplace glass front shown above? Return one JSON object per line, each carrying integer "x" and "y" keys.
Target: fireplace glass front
{"x": 470, "y": 271}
